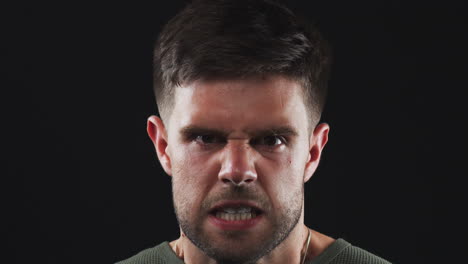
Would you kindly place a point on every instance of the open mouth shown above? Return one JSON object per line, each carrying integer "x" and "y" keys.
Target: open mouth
{"x": 233, "y": 212}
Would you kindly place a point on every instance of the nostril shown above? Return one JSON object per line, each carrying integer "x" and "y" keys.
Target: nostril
{"x": 237, "y": 183}
{"x": 226, "y": 180}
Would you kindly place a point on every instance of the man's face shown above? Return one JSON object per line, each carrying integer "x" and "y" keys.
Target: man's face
{"x": 237, "y": 153}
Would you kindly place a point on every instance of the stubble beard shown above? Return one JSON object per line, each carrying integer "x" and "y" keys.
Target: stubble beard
{"x": 281, "y": 227}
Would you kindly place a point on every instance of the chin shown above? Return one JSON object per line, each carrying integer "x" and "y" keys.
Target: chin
{"x": 235, "y": 247}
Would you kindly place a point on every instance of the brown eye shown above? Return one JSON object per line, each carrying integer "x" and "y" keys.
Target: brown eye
{"x": 270, "y": 141}
{"x": 208, "y": 139}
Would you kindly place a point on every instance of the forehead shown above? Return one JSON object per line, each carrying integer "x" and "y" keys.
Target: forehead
{"x": 240, "y": 105}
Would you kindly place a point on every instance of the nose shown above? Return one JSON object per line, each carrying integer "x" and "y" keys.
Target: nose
{"x": 237, "y": 164}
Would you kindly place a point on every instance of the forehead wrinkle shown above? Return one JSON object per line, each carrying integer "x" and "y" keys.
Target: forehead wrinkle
{"x": 273, "y": 130}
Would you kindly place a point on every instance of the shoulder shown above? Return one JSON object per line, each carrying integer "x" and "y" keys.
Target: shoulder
{"x": 353, "y": 254}
{"x": 342, "y": 252}
{"x": 160, "y": 254}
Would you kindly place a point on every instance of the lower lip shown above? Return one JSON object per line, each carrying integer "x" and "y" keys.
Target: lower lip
{"x": 235, "y": 225}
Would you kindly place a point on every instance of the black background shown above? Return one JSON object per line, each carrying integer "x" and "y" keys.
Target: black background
{"x": 83, "y": 184}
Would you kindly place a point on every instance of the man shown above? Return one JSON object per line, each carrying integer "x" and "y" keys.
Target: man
{"x": 240, "y": 87}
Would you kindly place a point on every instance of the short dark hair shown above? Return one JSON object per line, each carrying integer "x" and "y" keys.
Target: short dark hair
{"x": 234, "y": 39}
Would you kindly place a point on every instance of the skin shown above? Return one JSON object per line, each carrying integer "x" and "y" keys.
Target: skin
{"x": 205, "y": 167}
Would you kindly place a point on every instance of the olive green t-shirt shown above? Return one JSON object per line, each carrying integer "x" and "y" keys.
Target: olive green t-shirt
{"x": 339, "y": 252}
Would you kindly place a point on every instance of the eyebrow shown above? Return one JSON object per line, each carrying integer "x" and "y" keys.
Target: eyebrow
{"x": 190, "y": 130}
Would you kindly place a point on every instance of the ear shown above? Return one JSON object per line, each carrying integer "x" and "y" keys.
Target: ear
{"x": 318, "y": 140}
{"x": 158, "y": 135}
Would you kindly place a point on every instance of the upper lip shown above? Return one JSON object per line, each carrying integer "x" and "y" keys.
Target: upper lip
{"x": 235, "y": 203}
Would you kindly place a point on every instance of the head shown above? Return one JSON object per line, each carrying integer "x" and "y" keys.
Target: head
{"x": 240, "y": 86}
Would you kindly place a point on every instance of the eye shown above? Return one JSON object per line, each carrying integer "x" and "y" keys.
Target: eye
{"x": 208, "y": 139}
{"x": 270, "y": 141}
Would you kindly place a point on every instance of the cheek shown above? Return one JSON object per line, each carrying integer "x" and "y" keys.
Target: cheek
{"x": 192, "y": 178}
{"x": 286, "y": 168}
{"x": 280, "y": 177}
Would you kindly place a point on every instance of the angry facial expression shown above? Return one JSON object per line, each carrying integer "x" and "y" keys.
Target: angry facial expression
{"x": 239, "y": 153}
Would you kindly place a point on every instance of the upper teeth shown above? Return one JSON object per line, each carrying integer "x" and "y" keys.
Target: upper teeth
{"x": 237, "y": 210}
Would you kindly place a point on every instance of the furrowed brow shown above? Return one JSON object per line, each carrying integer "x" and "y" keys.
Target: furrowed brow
{"x": 191, "y": 130}
{"x": 282, "y": 130}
